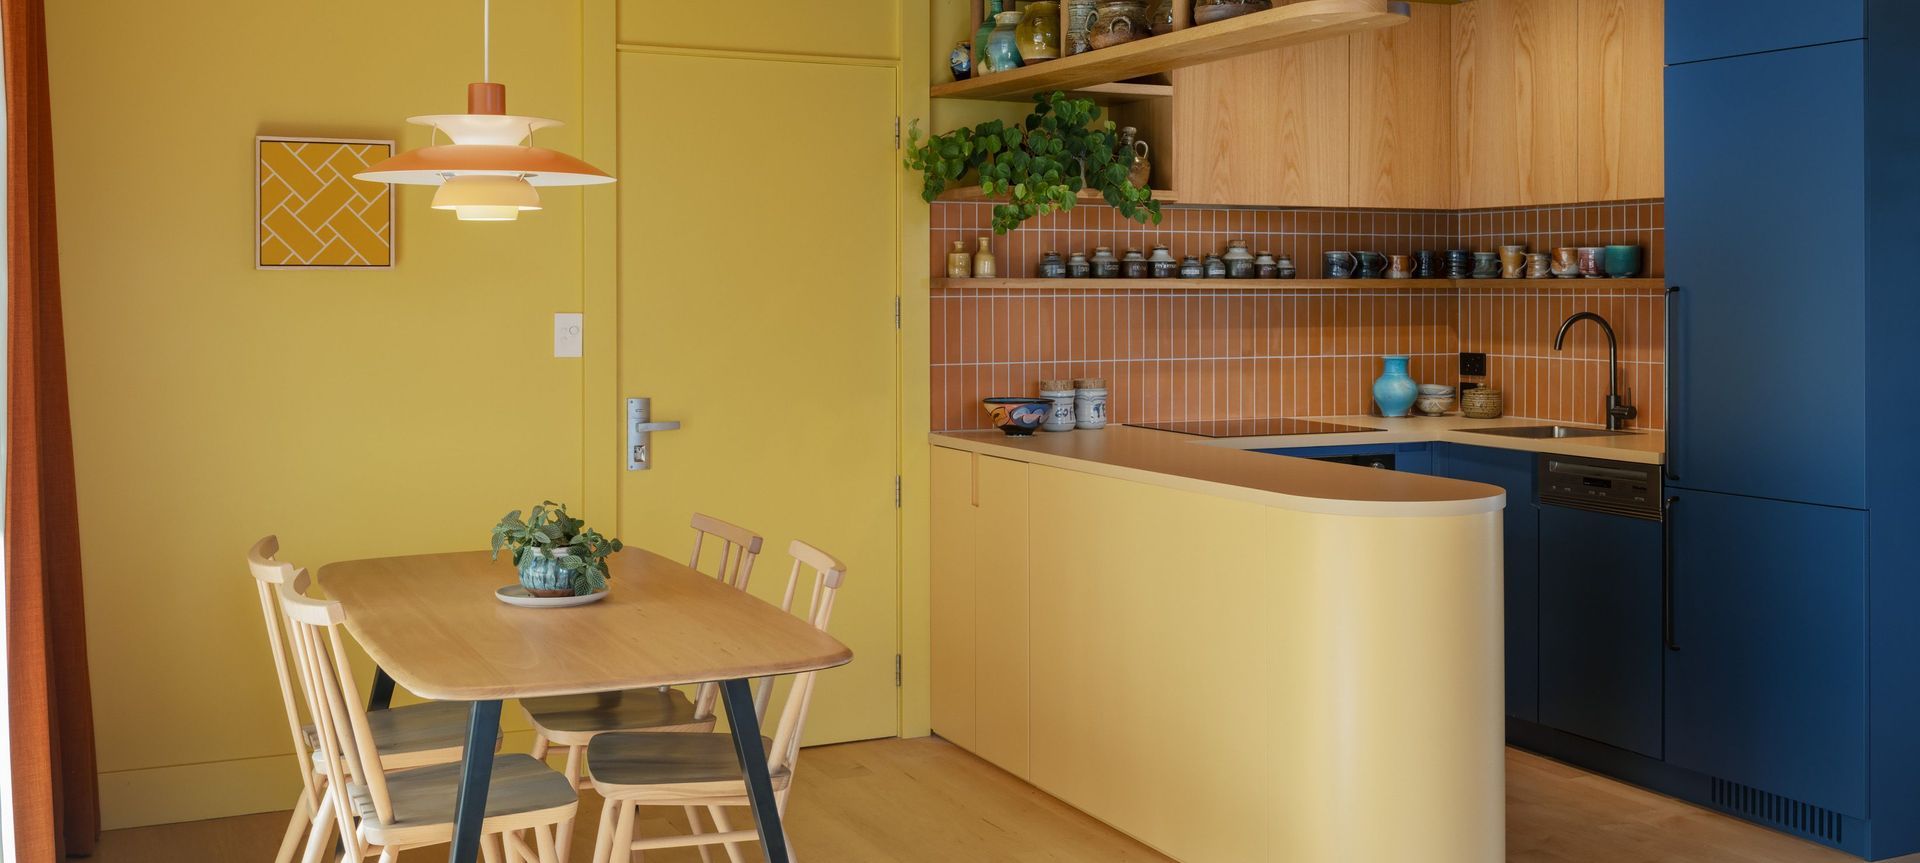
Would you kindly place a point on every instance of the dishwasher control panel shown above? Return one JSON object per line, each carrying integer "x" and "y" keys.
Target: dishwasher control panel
{"x": 1623, "y": 488}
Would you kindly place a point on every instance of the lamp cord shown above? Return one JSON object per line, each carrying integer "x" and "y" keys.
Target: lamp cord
{"x": 486, "y": 40}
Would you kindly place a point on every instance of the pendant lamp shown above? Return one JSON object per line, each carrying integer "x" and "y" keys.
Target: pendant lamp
{"x": 489, "y": 172}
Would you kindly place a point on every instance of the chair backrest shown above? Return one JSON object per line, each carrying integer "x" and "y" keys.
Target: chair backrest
{"x": 827, "y": 575}
{"x": 739, "y": 548}
{"x": 333, "y": 699}
{"x": 268, "y": 574}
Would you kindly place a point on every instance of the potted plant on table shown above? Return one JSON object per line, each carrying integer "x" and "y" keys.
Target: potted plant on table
{"x": 557, "y": 554}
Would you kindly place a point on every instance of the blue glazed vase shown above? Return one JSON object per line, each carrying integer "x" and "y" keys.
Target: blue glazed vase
{"x": 1395, "y": 390}
{"x": 541, "y": 575}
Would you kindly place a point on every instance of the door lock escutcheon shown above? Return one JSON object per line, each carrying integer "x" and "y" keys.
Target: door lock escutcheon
{"x": 640, "y": 429}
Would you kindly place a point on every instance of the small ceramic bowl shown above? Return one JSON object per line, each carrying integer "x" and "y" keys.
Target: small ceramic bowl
{"x": 1017, "y": 416}
{"x": 1436, "y": 390}
{"x": 1434, "y": 406}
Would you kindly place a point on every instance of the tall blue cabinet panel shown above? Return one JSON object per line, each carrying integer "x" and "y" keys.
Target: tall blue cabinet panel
{"x": 1766, "y": 248}
{"x": 1511, "y": 470}
{"x": 1600, "y": 627}
{"x": 1707, "y": 29}
{"x": 1767, "y": 686}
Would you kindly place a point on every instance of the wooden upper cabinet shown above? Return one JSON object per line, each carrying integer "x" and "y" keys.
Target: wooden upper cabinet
{"x": 1264, "y": 129}
{"x": 1402, "y": 130}
{"x": 1516, "y": 98}
{"x": 1622, "y": 131}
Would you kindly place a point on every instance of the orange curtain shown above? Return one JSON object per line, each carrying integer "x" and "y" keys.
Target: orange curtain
{"x": 56, "y": 796}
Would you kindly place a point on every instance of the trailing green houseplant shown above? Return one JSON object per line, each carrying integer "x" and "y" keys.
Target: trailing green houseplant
{"x": 556, "y": 554}
{"x": 1040, "y": 165}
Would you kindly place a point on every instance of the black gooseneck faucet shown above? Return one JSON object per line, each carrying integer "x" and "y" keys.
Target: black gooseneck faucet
{"x": 1618, "y": 410}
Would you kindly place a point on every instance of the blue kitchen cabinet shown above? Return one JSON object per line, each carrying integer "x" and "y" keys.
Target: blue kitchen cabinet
{"x": 1707, "y": 29}
{"x": 1767, "y": 255}
{"x": 1600, "y": 627}
{"x": 1766, "y": 685}
{"x": 1409, "y": 457}
{"x": 1512, "y": 470}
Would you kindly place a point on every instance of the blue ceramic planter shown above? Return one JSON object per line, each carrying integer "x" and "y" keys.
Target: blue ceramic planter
{"x": 1395, "y": 390}
{"x": 541, "y": 575}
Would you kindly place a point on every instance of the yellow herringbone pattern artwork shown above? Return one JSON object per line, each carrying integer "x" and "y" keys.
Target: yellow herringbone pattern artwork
{"x": 313, "y": 213}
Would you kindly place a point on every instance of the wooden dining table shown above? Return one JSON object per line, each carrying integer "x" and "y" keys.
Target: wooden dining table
{"x": 433, "y": 625}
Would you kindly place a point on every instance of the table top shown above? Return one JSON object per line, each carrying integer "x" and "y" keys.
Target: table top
{"x": 433, "y": 624}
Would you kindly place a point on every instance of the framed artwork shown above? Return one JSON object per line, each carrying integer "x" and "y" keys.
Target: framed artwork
{"x": 309, "y": 211}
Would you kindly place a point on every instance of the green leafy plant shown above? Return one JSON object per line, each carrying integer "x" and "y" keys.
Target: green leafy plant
{"x": 1040, "y": 165}
{"x": 548, "y": 527}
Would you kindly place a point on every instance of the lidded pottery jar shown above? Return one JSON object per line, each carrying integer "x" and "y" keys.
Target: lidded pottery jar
{"x": 1239, "y": 260}
{"x": 1191, "y": 268}
{"x": 1134, "y": 265}
{"x": 1265, "y": 267}
{"x": 959, "y": 261}
{"x": 1003, "y": 47}
{"x": 1117, "y": 22}
{"x": 1051, "y": 267}
{"x": 1039, "y": 32}
{"x": 1061, "y": 393}
{"x": 1162, "y": 264}
{"x": 1216, "y": 268}
{"x": 1105, "y": 265}
{"x": 1209, "y": 11}
{"x": 1077, "y": 266}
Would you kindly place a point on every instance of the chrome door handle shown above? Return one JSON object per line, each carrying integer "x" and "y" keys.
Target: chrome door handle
{"x": 640, "y": 429}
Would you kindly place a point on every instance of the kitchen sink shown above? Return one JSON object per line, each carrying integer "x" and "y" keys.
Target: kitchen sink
{"x": 1549, "y": 431}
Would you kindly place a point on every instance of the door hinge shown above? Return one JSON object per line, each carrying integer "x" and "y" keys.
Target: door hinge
{"x": 896, "y": 492}
{"x": 896, "y": 133}
{"x": 896, "y": 313}
{"x": 896, "y": 669}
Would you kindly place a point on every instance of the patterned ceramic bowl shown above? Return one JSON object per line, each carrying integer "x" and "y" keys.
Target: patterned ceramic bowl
{"x": 1017, "y": 416}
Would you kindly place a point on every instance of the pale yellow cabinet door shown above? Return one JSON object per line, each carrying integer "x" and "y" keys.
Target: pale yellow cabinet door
{"x": 757, "y": 277}
{"x": 951, "y": 597}
{"x": 1002, "y": 543}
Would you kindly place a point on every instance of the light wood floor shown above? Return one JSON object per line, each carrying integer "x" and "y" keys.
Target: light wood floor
{"x": 926, "y": 801}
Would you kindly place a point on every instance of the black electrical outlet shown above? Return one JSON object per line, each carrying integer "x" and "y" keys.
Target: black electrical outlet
{"x": 1473, "y": 365}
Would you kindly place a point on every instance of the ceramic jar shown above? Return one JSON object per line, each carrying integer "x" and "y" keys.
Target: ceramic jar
{"x": 1090, "y": 403}
{"x": 959, "y": 261}
{"x": 1395, "y": 390}
{"x": 1161, "y": 263}
{"x": 983, "y": 262}
{"x": 1039, "y": 32}
{"x": 989, "y": 9}
{"x": 1079, "y": 20}
{"x": 1265, "y": 267}
{"x": 1117, "y": 22}
{"x": 1481, "y": 403}
{"x": 1139, "y": 166}
{"x": 1160, "y": 17}
{"x": 1209, "y": 11}
{"x": 1077, "y": 266}
{"x": 1191, "y": 268}
{"x": 1061, "y": 393}
{"x": 1215, "y": 268}
{"x": 1105, "y": 265}
{"x": 1133, "y": 265}
{"x": 1284, "y": 268}
{"x": 1239, "y": 260}
{"x": 1003, "y": 44}
{"x": 960, "y": 60}
{"x": 1051, "y": 267}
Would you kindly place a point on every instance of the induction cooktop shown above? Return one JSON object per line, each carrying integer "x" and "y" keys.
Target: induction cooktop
{"x": 1253, "y": 427}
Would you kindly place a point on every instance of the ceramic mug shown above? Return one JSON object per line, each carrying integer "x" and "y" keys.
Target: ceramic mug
{"x": 1371, "y": 265}
{"x": 1513, "y": 261}
{"x": 1539, "y": 265}
{"x": 1426, "y": 265}
{"x": 1486, "y": 265}
{"x": 1623, "y": 261}
{"x": 1566, "y": 262}
{"x": 1399, "y": 266}
{"x": 1340, "y": 265}
{"x": 1593, "y": 262}
{"x": 1459, "y": 263}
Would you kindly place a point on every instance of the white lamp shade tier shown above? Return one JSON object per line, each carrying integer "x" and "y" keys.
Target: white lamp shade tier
{"x": 486, "y": 197}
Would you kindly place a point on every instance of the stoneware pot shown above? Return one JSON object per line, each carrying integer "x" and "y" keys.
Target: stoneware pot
{"x": 1039, "y": 32}
{"x": 1117, "y": 22}
{"x": 1486, "y": 265}
{"x": 1003, "y": 45}
{"x": 1209, "y": 11}
{"x": 1593, "y": 262}
{"x": 1395, "y": 390}
{"x": 540, "y": 571}
{"x": 1017, "y": 416}
{"x": 1623, "y": 261}
{"x": 1160, "y": 18}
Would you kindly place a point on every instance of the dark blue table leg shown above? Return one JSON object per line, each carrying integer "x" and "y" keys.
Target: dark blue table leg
{"x": 753, "y": 762}
{"x": 476, "y": 769}
{"x": 382, "y": 697}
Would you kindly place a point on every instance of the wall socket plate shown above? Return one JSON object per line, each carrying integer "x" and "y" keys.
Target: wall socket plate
{"x": 1473, "y": 365}
{"x": 567, "y": 336}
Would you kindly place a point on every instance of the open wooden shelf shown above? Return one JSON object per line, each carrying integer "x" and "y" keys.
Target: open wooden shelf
{"x": 1085, "y": 196}
{"x": 1310, "y": 21}
{"x": 1123, "y": 92}
{"x": 1284, "y": 284}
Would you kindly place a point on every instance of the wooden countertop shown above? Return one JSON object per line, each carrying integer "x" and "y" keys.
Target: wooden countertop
{"x": 1184, "y": 462}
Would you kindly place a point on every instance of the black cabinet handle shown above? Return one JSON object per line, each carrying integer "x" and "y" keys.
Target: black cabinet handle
{"x": 1674, "y": 374}
{"x": 1666, "y": 575}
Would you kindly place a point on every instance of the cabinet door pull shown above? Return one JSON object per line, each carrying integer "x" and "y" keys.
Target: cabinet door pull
{"x": 1666, "y": 576}
{"x": 1676, "y": 374}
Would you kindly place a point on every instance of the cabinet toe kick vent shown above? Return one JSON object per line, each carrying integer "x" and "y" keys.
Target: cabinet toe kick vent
{"x": 1784, "y": 812}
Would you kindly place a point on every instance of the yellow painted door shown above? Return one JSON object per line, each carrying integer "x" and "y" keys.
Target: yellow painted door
{"x": 758, "y": 268}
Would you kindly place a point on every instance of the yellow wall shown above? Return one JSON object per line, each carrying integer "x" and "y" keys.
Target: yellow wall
{"x": 355, "y": 414}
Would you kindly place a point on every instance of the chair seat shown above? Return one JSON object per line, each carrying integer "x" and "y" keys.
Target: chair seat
{"x": 572, "y": 720}
{"x": 432, "y": 732}
{"x": 672, "y": 766}
{"x": 522, "y": 793}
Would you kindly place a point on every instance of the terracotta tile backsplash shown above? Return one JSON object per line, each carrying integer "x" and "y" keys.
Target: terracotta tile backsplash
{"x": 1226, "y": 353}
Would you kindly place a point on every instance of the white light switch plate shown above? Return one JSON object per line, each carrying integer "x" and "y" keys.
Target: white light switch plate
{"x": 566, "y": 334}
